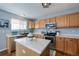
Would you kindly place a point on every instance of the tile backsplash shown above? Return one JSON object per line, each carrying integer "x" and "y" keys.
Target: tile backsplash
{"x": 62, "y": 31}
{"x": 69, "y": 31}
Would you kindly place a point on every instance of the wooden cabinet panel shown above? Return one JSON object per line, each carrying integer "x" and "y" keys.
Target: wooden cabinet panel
{"x": 62, "y": 21}
{"x": 71, "y": 20}
{"x": 25, "y": 51}
{"x": 74, "y": 20}
{"x": 10, "y": 45}
{"x": 52, "y": 20}
{"x": 78, "y": 48}
{"x": 59, "y": 53}
{"x": 42, "y": 23}
{"x": 37, "y": 24}
{"x": 67, "y": 46}
{"x": 31, "y": 24}
{"x": 60, "y": 43}
{"x": 70, "y": 46}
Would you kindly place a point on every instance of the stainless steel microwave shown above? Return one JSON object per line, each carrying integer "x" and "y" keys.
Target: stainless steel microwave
{"x": 50, "y": 25}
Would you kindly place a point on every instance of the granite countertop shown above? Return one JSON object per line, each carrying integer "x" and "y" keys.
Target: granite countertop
{"x": 69, "y": 36}
{"x": 37, "y": 45}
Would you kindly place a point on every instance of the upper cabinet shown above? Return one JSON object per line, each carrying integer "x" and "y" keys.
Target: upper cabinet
{"x": 37, "y": 24}
{"x": 31, "y": 24}
{"x": 50, "y": 20}
{"x": 66, "y": 21}
{"x": 42, "y": 23}
{"x": 71, "y": 20}
{"x": 74, "y": 20}
{"x": 62, "y": 21}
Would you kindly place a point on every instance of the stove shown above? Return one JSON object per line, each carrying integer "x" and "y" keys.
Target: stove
{"x": 50, "y": 36}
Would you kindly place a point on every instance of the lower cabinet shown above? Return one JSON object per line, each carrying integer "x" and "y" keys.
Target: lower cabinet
{"x": 70, "y": 46}
{"x": 59, "y": 43}
{"x": 10, "y": 45}
{"x": 67, "y": 46}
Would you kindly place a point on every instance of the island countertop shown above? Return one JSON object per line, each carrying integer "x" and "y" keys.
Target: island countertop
{"x": 37, "y": 45}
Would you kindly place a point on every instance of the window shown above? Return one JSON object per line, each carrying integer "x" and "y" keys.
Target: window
{"x": 17, "y": 24}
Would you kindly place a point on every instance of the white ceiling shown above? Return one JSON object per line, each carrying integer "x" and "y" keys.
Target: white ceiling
{"x": 35, "y": 10}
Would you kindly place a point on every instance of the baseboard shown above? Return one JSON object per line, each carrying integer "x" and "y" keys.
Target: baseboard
{"x": 3, "y": 49}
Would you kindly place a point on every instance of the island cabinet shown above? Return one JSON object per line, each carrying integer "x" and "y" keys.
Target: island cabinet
{"x": 31, "y": 24}
{"x": 24, "y": 51}
{"x": 67, "y": 46}
{"x": 62, "y": 21}
{"x": 74, "y": 20}
{"x": 35, "y": 47}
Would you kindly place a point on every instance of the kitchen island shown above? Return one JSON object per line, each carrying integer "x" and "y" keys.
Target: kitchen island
{"x": 35, "y": 47}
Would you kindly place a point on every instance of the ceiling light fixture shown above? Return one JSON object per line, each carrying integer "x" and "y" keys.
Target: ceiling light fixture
{"x": 46, "y": 5}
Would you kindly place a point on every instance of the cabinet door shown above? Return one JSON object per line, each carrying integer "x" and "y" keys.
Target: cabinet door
{"x": 70, "y": 46}
{"x": 42, "y": 23}
{"x": 10, "y": 44}
{"x": 31, "y": 24}
{"x": 74, "y": 20}
{"x": 60, "y": 44}
{"x": 37, "y": 24}
{"x": 62, "y": 21}
{"x": 52, "y": 20}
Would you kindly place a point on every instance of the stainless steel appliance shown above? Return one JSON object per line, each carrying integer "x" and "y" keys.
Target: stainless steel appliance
{"x": 50, "y": 33}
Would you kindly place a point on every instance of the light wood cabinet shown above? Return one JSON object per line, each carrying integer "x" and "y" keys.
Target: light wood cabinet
{"x": 59, "y": 46}
{"x": 66, "y": 21}
{"x": 70, "y": 46}
{"x": 78, "y": 48}
{"x": 62, "y": 21}
{"x": 31, "y": 24}
{"x": 74, "y": 20}
{"x": 10, "y": 44}
{"x": 67, "y": 46}
{"x": 42, "y": 23}
{"x": 47, "y": 21}
{"x": 60, "y": 43}
{"x": 37, "y": 24}
{"x": 52, "y": 20}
